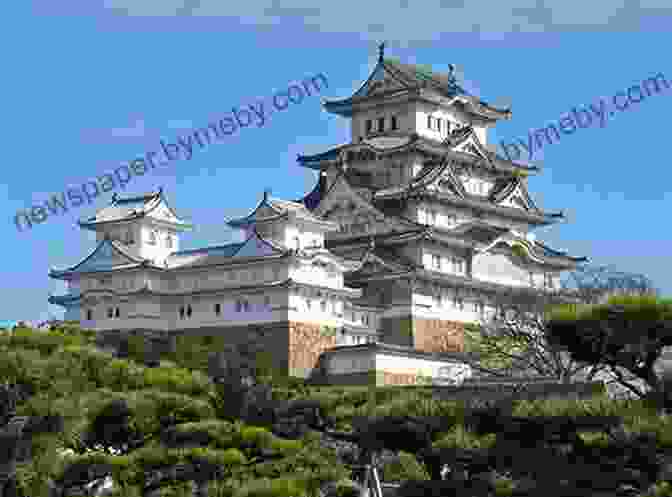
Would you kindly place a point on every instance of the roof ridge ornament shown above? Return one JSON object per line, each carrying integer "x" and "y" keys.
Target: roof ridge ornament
{"x": 451, "y": 74}
{"x": 381, "y": 51}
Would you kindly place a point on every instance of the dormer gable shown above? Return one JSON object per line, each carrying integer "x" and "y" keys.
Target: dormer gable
{"x": 354, "y": 214}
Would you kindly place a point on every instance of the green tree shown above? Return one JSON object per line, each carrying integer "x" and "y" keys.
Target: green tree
{"x": 626, "y": 332}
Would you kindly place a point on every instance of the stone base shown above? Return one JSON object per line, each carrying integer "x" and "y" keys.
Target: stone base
{"x": 425, "y": 335}
{"x": 292, "y": 347}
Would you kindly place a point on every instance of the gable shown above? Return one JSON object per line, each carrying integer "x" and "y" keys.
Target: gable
{"x": 104, "y": 257}
{"x": 354, "y": 215}
{"x": 163, "y": 213}
{"x": 516, "y": 199}
{"x": 256, "y": 247}
{"x": 381, "y": 80}
{"x": 469, "y": 146}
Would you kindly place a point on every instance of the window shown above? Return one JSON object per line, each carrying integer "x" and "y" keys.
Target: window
{"x": 267, "y": 301}
{"x": 366, "y": 319}
{"x": 152, "y": 238}
{"x": 169, "y": 241}
{"x": 246, "y": 305}
{"x": 307, "y": 303}
{"x": 458, "y": 303}
{"x": 110, "y": 312}
{"x": 369, "y": 126}
{"x": 218, "y": 309}
{"x": 381, "y": 124}
{"x": 447, "y": 126}
{"x": 394, "y": 122}
{"x": 548, "y": 280}
{"x": 239, "y": 306}
{"x": 458, "y": 265}
{"x": 429, "y": 122}
{"x": 189, "y": 311}
{"x": 479, "y": 308}
{"x": 323, "y": 306}
{"x": 129, "y": 237}
{"x": 531, "y": 278}
{"x": 431, "y": 217}
{"x": 436, "y": 262}
{"x": 437, "y": 300}
{"x": 297, "y": 243}
{"x": 89, "y": 315}
{"x": 181, "y": 312}
{"x": 451, "y": 219}
{"x": 438, "y": 125}
{"x": 116, "y": 312}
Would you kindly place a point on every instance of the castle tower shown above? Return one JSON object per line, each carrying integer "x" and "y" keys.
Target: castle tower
{"x": 440, "y": 223}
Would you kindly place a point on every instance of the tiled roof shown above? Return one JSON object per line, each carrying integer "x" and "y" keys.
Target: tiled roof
{"x": 125, "y": 209}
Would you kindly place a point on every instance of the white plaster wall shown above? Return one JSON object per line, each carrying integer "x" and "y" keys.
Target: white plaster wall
{"x": 445, "y": 258}
{"x": 308, "y": 237}
{"x": 361, "y": 361}
{"x": 445, "y": 217}
{"x": 305, "y": 306}
{"x": 159, "y": 251}
{"x": 423, "y": 109}
{"x": 499, "y": 269}
{"x": 405, "y": 122}
{"x": 316, "y": 275}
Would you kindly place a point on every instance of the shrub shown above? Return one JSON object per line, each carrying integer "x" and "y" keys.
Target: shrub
{"x": 405, "y": 467}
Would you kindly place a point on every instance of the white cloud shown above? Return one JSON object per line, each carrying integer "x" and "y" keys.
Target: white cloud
{"x": 414, "y": 21}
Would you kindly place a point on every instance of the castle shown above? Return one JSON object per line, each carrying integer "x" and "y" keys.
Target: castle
{"x": 413, "y": 229}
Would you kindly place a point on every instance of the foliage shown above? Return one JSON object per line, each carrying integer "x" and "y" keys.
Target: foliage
{"x": 405, "y": 467}
{"x": 165, "y": 405}
{"x": 626, "y": 331}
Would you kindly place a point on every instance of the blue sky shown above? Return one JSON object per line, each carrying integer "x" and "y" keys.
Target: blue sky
{"x": 86, "y": 89}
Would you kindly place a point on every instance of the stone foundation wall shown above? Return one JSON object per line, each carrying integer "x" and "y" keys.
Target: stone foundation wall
{"x": 437, "y": 335}
{"x": 398, "y": 378}
{"x": 293, "y": 347}
{"x": 426, "y": 335}
{"x": 306, "y": 343}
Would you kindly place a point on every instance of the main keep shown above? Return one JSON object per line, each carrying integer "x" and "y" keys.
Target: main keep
{"x": 413, "y": 229}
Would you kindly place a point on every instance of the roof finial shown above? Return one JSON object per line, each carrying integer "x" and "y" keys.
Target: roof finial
{"x": 381, "y": 51}
{"x": 267, "y": 193}
{"x": 451, "y": 74}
